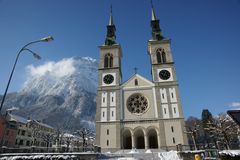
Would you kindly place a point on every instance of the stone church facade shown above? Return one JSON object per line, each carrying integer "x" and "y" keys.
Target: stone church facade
{"x": 139, "y": 113}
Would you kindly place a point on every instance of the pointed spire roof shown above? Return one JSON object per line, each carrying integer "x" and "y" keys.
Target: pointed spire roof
{"x": 111, "y": 36}
{"x": 156, "y": 31}
{"x": 110, "y": 18}
{"x": 153, "y": 13}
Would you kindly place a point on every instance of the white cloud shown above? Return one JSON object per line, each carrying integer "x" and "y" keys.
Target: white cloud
{"x": 235, "y": 104}
{"x": 56, "y": 69}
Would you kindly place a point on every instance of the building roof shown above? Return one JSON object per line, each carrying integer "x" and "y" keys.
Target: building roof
{"x": 43, "y": 124}
{"x": 19, "y": 119}
{"x": 12, "y": 117}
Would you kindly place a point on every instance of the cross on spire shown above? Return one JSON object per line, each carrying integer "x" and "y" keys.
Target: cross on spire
{"x": 135, "y": 70}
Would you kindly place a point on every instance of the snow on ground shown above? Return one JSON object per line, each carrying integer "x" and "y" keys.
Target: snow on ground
{"x": 63, "y": 157}
{"x": 148, "y": 151}
{"x": 231, "y": 153}
{"x": 171, "y": 155}
{"x": 132, "y": 155}
{"x": 133, "y": 151}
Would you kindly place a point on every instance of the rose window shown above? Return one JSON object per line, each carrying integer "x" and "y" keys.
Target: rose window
{"x": 137, "y": 103}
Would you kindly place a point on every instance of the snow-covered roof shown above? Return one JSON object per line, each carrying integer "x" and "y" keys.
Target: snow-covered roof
{"x": 16, "y": 118}
{"x": 43, "y": 124}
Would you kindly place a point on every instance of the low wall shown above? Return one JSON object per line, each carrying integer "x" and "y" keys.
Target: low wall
{"x": 49, "y": 156}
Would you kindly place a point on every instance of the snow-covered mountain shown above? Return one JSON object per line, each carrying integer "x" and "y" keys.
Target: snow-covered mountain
{"x": 61, "y": 94}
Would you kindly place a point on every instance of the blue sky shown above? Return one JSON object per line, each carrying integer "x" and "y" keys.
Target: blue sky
{"x": 205, "y": 41}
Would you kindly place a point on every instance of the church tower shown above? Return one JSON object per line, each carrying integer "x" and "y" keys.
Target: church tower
{"x": 166, "y": 85}
{"x": 108, "y": 94}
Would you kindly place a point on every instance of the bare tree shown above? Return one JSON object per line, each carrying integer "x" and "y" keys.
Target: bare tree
{"x": 85, "y": 134}
{"x": 67, "y": 139}
{"x": 224, "y": 130}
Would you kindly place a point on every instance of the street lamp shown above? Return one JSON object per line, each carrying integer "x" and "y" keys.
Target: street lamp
{"x": 35, "y": 55}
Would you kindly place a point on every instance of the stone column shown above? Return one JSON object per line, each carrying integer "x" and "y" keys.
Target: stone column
{"x": 146, "y": 142}
{"x": 133, "y": 142}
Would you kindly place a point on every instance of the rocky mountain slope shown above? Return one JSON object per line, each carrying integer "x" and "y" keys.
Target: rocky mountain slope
{"x": 61, "y": 94}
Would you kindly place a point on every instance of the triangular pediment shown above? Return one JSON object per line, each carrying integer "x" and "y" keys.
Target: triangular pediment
{"x": 137, "y": 81}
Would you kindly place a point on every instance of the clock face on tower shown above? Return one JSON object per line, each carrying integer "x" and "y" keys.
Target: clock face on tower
{"x": 108, "y": 79}
{"x": 164, "y": 74}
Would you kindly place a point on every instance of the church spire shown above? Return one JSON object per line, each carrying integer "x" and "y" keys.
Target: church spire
{"x": 156, "y": 31}
{"x": 110, "y": 18}
{"x": 111, "y": 37}
{"x": 153, "y": 13}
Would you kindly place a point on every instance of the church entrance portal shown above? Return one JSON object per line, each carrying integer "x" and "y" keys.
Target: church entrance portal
{"x": 127, "y": 140}
{"x": 152, "y": 138}
{"x": 139, "y": 139}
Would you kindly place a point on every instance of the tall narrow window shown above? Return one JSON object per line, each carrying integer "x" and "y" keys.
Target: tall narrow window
{"x": 172, "y": 129}
{"x": 174, "y": 110}
{"x": 107, "y": 142}
{"x": 112, "y": 99}
{"x": 103, "y": 114}
{"x": 163, "y": 57}
{"x": 103, "y": 99}
{"x": 165, "y": 111}
{"x": 163, "y": 96}
{"x": 136, "y": 82}
{"x": 173, "y": 140}
{"x": 107, "y": 131}
{"x": 159, "y": 59}
{"x": 112, "y": 113}
{"x": 108, "y": 60}
{"x": 111, "y": 61}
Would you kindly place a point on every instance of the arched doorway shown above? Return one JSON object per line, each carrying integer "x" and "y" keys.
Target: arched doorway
{"x": 152, "y": 138}
{"x": 127, "y": 139}
{"x": 139, "y": 139}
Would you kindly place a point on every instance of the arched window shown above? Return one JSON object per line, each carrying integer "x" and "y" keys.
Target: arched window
{"x": 161, "y": 56}
{"x": 159, "y": 59}
{"x": 136, "y": 82}
{"x": 108, "y": 60}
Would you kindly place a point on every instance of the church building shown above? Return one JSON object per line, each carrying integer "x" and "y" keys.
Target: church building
{"x": 138, "y": 113}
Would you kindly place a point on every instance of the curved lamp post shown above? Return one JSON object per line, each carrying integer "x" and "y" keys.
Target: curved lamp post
{"x": 35, "y": 55}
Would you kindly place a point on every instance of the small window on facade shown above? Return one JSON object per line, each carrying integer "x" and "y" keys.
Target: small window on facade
{"x": 172, "y": 95}
{"x": 103, "y": 114}
{"x": 112, "y": 99}
{"x": 136, "y": 82}
{"x": 173, "y": 140}
{"x": 107, "y": 142}
{"x": 23, "y": 133}
{"x": 163, "y": 96}
{"x": 172, "y": 128}
{"x": 107, "y": 131}
{"x": 174, "y": 110}
{"x": 165, "y": 111}
{"x": 21, "y": 142}
{"x": 112, "y": 113}
{"x": 103, "y": 99}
